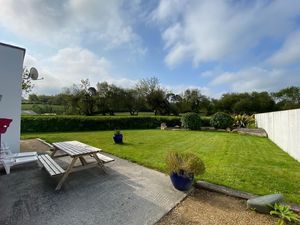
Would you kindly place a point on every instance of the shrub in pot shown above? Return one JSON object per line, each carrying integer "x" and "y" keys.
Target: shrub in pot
{"x": 183, "y": 167}
{"x": 118, "y": 137}
{"x": 191, "y": 121}
{"x": 221, "y": 120}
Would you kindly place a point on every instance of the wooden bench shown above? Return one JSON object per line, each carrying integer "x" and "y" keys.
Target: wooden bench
{"x": 105, "y": 159}
{"x": 50, "y": 165}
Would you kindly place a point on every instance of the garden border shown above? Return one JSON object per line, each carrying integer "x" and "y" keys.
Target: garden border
{"x": 234, "y": 193}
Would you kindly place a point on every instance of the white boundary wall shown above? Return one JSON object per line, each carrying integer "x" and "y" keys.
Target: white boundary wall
{"x": 283, "y": 128}
{"x": 11, "y": 68}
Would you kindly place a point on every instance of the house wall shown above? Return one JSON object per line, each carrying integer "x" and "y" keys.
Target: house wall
{"x": 283, "y": 128}
{"x": 11, "y": 68}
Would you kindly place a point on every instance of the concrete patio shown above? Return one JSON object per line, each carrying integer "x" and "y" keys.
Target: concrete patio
{"x": 124, "y": 193}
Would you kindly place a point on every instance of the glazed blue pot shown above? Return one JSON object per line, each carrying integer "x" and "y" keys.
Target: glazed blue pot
{"x": 182, "y": 182}
{"x": 118, "y": 138}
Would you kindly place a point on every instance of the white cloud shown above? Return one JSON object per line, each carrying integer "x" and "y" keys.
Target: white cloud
{"x": 69, "y": 66}
{"x": 105, "y": 19}
{"x": 69, "y": 22}
{"x": 170, "y": 35}
{"x": 75, "y": 63}
{"x": 205, "y": 31}
{"x": 289, "y": 53}
{"x": 168, "y": 10}
{"x": 255, "y": 79}
{"x": 38, "y": 20}
{"x": 224, "y": 78}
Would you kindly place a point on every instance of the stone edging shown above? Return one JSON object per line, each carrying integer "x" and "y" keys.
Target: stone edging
{"x": 234, "y": 193}
{"x": 46, "y": 143}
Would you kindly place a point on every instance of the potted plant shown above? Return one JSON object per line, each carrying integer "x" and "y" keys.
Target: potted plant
{"x": 183, "y": 167}
{"x": 118, "y": 137}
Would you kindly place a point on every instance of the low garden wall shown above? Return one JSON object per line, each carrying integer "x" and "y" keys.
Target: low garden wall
{"x": 283, "y": 128}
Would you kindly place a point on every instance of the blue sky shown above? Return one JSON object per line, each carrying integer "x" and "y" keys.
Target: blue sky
{"x": 215, "y": 45}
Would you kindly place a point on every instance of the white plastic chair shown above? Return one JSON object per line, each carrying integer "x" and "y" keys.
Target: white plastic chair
{"x": 9, "y": 159}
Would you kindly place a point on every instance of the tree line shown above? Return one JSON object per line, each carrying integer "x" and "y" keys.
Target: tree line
{"x": 149, "y": 96}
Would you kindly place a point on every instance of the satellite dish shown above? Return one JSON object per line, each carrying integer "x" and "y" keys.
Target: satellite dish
{"x": 92, "y": 91}
{"x": 33, "y": 73}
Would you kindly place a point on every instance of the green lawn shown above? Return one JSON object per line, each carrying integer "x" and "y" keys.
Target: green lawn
{"x": 247, "y": 163}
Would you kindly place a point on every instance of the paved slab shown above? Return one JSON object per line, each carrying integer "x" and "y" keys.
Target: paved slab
{"x": 125, "y": 193}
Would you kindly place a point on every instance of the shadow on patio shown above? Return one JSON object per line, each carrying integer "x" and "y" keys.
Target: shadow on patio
{"x": 125, "y": 193}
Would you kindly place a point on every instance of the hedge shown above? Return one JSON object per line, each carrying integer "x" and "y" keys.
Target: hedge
{"x": 90, "y": 123}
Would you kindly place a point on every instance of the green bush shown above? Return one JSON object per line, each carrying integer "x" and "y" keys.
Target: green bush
{"x": 191, "y": 121}
{"x": 89, "y": 123}
{"x": 221, "y": 120}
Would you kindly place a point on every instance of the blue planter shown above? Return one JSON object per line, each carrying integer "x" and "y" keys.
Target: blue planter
{"x": 181, "y": 182}
{"x": 118, "y": 138}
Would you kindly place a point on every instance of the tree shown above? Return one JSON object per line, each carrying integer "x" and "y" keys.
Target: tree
{"x": 175, "y": 101}
{"x": 155, "y": 96}
{"x": 80, "y": 99}
{"x": 262, "y": 102}
{"x": 102, "y": 100}
{"x": 27, "y": 84}
{"x": 133, "y": 101}
{"x": 110, "y": 98}
{"x": 196, "y": 101}
{"x": 33, "y": 98}
{"x": 87, "y": 101}
{"x": 287, "y": 98}
{"x": 227, "y": 101}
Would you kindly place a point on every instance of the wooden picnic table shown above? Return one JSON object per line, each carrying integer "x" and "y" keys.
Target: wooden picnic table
{"x": 76, "y": 150}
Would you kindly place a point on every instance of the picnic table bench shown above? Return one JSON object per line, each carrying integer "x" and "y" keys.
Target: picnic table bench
{"x": 76, "y": 150}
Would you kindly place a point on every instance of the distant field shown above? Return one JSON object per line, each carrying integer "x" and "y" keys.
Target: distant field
{"x": 140, "y": 114}
{"x": 30, "y": 106}
{"x": 59, "y": 109}
{"x": 27, "y": 106}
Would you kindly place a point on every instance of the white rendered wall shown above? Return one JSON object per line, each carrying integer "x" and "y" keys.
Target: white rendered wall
{"x": 283, "y": 128}
{"x": 11, "y": 67}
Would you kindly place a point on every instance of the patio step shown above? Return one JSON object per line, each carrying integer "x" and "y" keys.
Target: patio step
{"x": 50, "y": 165}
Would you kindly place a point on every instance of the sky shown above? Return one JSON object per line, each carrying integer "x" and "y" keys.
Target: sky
{"x": 217, "y": 46}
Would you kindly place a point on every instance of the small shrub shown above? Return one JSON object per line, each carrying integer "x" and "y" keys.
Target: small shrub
{"x": 284, "y": 213}
{"x": 191, "y": 121}
{"x": 184, "y": 163}
{"x": 221, "y": 120}
{"x": 251, "y": 122}
{"x": 244, "y": 121}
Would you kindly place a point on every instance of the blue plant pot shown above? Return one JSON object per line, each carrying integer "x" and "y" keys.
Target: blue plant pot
{"x": 118, "y": 138}
{"x": 181, "y": 182}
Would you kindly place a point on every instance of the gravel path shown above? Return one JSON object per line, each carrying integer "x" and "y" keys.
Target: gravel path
{"x": 211, "y": 208}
